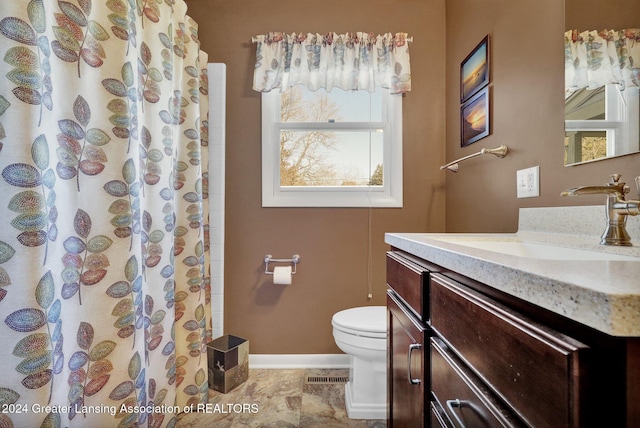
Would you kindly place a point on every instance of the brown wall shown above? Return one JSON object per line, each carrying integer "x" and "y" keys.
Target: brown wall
{"x": 591, "y": 15}
{"x": 527, "y": 115}
{"x": 332, "y": 243}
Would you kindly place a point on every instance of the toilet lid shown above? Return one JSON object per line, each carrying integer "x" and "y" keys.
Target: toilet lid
{"x": 370, "y": 321}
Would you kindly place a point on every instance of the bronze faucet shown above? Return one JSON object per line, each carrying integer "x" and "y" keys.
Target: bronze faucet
{"x": 617, "y": 208}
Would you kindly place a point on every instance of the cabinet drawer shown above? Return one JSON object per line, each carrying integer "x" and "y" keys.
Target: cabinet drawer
{"x": 407, "y": 279}
{"x": 533, "y": 368}
{"x": 459, "y": 394}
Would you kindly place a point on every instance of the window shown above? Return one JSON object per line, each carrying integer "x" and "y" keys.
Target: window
{"x": 601, "y": 123}
{"x": 331, "y": 149}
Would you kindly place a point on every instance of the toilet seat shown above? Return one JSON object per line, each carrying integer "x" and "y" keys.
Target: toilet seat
{"x": 365, "y": 321}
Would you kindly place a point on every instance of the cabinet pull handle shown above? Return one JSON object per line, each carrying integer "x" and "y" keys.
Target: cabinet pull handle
{"x": 412, "y": 381}
{"x": 459, "y": 404}
{"x": 453, "y": 405}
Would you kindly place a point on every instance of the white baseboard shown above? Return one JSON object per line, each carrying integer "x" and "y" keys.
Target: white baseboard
{"x": 299, "y": 361}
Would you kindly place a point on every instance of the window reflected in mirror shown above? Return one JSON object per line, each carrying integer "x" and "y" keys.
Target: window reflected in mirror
{"x": 601, "y": 123}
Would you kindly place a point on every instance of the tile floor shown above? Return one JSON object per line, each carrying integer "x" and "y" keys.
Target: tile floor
{"x": 278, "y": 398}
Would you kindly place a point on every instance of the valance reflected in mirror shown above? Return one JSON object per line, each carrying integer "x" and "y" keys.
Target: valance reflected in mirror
{"x": 602, "y": 80}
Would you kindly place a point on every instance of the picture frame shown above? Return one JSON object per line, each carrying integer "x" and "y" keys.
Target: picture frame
{"x": 474, "y": 118}
{"x": 474, "y": 70}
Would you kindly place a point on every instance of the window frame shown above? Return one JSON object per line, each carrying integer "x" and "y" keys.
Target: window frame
{"x": 389, "y": 195}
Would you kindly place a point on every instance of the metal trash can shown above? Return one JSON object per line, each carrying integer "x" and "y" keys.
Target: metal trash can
{"x": 228, "y": 361}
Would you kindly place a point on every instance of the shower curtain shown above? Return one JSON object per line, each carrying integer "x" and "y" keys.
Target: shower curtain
{"x": 104, "y": 275}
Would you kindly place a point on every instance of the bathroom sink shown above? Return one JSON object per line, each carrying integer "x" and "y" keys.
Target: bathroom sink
{"x": 533, "y": 250}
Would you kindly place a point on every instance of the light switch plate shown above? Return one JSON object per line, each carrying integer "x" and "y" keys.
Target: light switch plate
{"x": 528, "y": 182}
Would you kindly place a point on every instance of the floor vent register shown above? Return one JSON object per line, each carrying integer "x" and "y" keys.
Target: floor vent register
{"x": 325, "y": 379}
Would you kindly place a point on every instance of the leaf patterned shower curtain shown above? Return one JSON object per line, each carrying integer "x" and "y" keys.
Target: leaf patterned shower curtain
{"x": 104, "y": 282}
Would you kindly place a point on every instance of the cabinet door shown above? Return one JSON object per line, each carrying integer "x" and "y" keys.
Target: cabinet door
{"x": 407, "y": 367}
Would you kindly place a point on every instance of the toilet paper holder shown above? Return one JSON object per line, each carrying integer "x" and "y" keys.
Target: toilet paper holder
{"x": 269, "y": 259}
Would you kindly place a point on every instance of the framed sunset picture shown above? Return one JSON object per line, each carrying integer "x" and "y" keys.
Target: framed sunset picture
{"x": 474, "y": 115}
{"x": 474, "y": 70}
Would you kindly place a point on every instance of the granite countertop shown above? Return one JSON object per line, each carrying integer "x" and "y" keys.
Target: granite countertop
{"x": 603, "y": 294}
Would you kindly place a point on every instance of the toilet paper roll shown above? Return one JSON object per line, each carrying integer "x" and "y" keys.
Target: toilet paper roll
{"x": 282, "y": 275}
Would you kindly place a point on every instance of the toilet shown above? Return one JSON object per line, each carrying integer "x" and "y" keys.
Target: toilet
{"x": 362, "y": 334}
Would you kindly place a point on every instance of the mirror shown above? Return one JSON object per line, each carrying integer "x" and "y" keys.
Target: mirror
{"x": 603, "y": 122}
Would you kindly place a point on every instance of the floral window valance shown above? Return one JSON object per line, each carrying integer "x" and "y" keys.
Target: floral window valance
{"x": 351, "y": 61}
{"x": 596, "y": 58}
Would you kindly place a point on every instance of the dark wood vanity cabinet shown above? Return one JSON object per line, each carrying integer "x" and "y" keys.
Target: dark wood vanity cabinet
{"x": 462, "y": 354}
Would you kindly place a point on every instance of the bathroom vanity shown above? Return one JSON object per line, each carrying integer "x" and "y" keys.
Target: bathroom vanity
{"x": 535, "y": 328}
